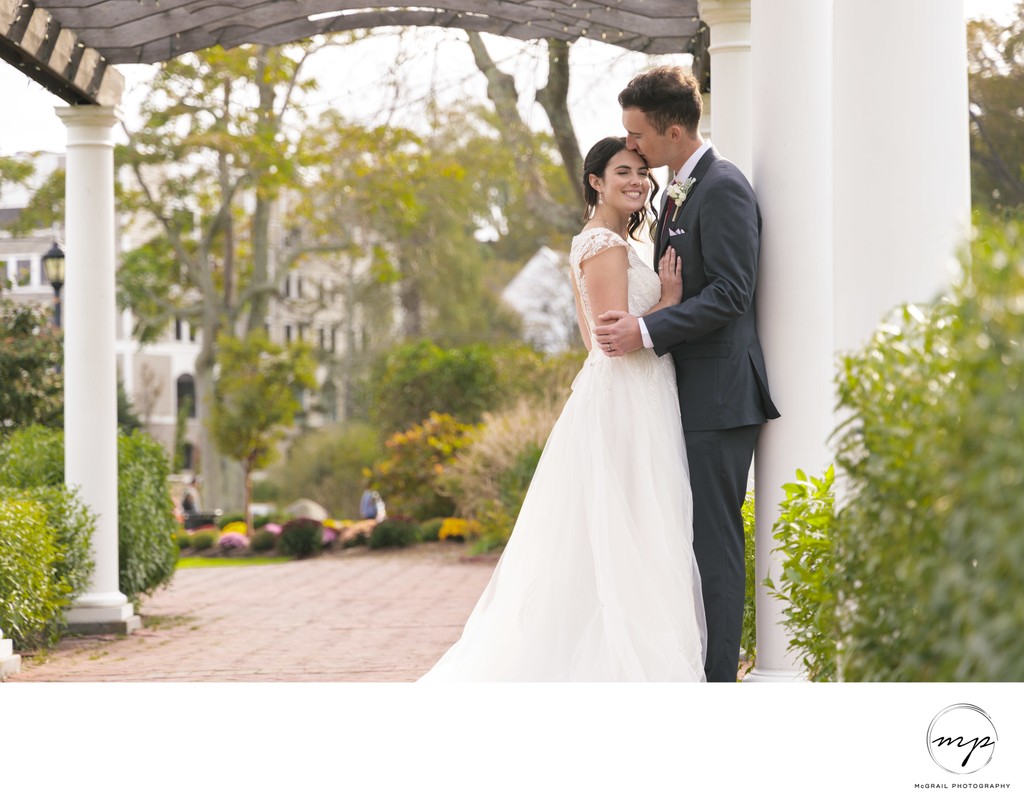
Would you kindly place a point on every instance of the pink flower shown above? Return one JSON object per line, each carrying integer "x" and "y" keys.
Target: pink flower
{"x": 233, "y": 541}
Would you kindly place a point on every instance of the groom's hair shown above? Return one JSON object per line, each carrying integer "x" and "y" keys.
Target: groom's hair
{"x": 666, "y": 95}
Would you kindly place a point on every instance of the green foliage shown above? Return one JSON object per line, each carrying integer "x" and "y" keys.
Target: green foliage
{"x": 430, "y": 529}
{"x": 146, "y": 545}
{"x": 31, "y": 352}
{"x": 393, "y": 533}
{"x": 996, "y": 84}
{"x": 183, "y": 539}
{"x": 804, "y": 533}
{"x": 748, "y": 634}
{"x": 301, "y": 538}
{"x": 73, "y": 525}
{"x": 928, "y": 545}
{"x": 419, "y": 378}
{"x": 127, "y": 418}
{"x": 45, "y": 207}
{"x": 203, "y": 539}
{"x": 32, "y": 457}
{"x": 413, "y": 462}
{"x": 146, "y": 525}
{"x": 263, "y": 541}
{"x": 31, "y": 596}
{"x": 326, "y": 465}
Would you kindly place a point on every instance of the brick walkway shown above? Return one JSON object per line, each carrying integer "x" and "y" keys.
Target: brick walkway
{"x": 352, "y": 616}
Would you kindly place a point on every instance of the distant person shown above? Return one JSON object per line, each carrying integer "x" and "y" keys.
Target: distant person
{"x": 368, "y": 505}
{"x": 190, "y": 499}
{"x": 381, "y": 512}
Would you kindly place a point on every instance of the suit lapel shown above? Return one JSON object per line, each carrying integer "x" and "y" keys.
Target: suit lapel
{"x": 664, "y": 225}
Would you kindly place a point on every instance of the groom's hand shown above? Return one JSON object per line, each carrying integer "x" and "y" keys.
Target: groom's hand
{"x": 618, "y": 333}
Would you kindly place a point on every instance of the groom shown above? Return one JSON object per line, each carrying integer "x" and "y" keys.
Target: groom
{"x": 712, "y": 221}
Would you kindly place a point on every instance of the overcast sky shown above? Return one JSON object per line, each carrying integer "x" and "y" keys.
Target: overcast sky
{"x": 599, "y": 72}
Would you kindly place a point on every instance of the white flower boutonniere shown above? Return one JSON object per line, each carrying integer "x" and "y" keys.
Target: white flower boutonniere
{"x": 677, "y": 192}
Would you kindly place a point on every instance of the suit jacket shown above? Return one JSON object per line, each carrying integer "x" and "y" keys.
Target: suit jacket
{"x": 712, "y": 333}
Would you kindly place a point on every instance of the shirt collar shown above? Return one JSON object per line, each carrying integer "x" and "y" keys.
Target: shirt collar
{"x": 691, "y": 164}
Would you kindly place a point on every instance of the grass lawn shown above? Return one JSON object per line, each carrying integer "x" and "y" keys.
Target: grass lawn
{"x": 196, "y": 561}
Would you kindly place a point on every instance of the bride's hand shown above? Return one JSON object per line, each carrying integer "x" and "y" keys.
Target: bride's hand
{"x": 670, "y": 270}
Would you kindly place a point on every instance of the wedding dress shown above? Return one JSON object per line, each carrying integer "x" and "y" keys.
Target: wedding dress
{"x": 598, "y": 581}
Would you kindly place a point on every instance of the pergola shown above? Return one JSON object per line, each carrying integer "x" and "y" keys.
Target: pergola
{"x": 849, "y": 117}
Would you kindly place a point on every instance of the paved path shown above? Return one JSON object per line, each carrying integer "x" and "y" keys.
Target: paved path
{"x": 352, "y": 616}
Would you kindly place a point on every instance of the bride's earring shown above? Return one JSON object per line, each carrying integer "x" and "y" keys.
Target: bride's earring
{"x": 600, "y": 198}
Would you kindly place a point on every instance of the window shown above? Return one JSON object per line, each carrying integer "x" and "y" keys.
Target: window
{"x": 187, "y": 394}
{"x": 287, "y": 334}
{"x": 23, "y": 272}
{"x": 179, "y": 329}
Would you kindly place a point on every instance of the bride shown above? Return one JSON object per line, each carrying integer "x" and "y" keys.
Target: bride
{"x": 598, "y": 581}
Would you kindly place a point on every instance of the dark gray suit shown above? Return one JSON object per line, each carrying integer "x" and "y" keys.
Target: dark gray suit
{"x": 723, "y": 384}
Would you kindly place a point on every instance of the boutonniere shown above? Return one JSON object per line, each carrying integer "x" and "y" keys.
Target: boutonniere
{"x": 677, "y": 192}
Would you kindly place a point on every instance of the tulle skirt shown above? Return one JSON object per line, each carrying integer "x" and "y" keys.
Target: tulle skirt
{"x": 598, "y": 580}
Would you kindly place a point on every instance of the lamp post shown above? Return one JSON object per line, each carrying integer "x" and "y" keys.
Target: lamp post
{"x": 53, "y": 268}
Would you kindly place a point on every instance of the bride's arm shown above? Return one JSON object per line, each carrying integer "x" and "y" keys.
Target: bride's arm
{"x": 671, "y": 273}
{"x": 607, "y": 286}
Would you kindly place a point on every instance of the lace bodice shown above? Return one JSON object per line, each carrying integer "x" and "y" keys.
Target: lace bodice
{"x": 644, "y": 287}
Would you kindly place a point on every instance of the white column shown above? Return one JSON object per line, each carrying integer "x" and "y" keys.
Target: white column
{"x": 729, "y": 25}
{"x": 793, "y": 181}
{"x": 90, "y": 376}
{"x": 10, "y": 662}
{"x": 902, "y": 161}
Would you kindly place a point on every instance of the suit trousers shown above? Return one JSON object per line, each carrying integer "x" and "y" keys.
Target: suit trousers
{"x": 719, "y": 462}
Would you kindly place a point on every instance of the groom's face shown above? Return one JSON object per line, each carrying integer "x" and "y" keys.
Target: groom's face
{"x": 642, "y": 137}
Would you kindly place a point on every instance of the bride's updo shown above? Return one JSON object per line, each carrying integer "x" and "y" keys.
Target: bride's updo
{"x": 596, "y": 163}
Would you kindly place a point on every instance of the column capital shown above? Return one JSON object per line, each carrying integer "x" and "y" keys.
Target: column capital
{"x": 716, "y": 12}
{"x": 88, "y": 115}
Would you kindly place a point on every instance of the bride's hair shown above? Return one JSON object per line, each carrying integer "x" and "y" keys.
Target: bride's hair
{"x": 596, "y": 162}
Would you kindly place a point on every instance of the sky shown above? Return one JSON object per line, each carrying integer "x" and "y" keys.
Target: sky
{"x": 599, "y": 72}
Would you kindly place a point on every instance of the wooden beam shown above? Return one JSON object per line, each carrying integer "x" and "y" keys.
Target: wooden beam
{"x": 54, "y": 57}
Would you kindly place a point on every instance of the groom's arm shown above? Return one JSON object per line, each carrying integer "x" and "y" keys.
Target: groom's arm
{"x": 729, "y": 248}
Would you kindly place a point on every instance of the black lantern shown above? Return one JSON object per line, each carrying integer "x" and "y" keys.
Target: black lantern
{"x": 53, "y": 268}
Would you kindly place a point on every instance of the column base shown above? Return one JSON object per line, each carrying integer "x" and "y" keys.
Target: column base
{"x": 10, "y": 662}
{"x": 120, "y": 619}
{"x": 773, "y": 675}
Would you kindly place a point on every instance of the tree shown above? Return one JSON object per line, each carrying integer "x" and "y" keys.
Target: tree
{"x": 996, "y": 82}
{"x": 216, "y": 125}
{"x": 256, "y": 397}
{"x": 31, "y": 353}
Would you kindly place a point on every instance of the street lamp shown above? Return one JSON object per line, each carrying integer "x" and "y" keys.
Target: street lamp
{"x": 53, "y": 268}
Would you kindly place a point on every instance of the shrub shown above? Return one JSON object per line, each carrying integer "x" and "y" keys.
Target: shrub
{"x": 393, "y": 533}
{"x": 263, "y": 541}
{"x": 145, "y": 514}
{"x": 235, "y": 527}
{"x": 301, "y": 538}
{"x": 184, "y": 539}
{"x": 31, "y": 595}
{"x": 459, "y": 529}
{"x": 73, "y": 525}
{"x": 203, "y": 540}
{"x": 231, "y": 540}
{"x": 147, "y": 550}
{"x": 804, "y": 535}
{"x": 430, "y": 530}
{"x": 408, "y": 475}
{"x": 931, "y": 562}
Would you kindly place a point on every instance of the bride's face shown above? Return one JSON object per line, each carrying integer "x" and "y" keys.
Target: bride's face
{"x": 625, "y": 183}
